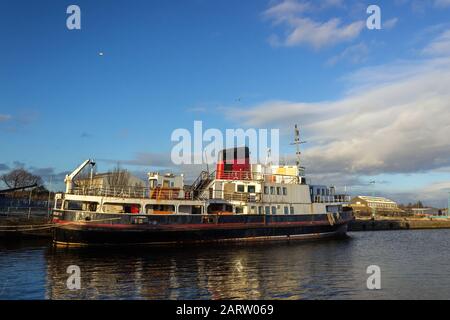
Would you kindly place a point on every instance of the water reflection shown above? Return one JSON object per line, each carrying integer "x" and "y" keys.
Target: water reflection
{"x": 414, "y": 264}
{"x": 284, "y": 271}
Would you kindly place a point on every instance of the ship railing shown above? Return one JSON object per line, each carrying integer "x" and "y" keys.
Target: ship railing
{"x": 331, "y": 199}
{"x": 120, "y": 192}
{"x": 170, "y": 194}
{"x": 231, "y": 196}
{"x": 235, "y": 175}
{"x": 258, "y": 176}
{"x": 134, "y": 192}
{"x": 283, "y": 179}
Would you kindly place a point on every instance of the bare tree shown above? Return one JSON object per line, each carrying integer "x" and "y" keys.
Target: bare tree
{"x": 20, "y": 178}
{"x": 118, "y": 177}
{"x": 83, "y": 179}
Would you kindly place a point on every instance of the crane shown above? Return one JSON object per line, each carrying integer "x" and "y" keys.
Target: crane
{"x": 69, "y": 178}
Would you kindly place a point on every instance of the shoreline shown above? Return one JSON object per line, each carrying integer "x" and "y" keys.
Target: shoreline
{"x": 358, "y": 225}
{"x": 397, "y": 224}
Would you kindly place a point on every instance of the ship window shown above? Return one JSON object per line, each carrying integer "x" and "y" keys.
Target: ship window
{"x": 80, "y": 205}
{"x": 121, "y": 208}
{"x": 73, "y": 205}
{"x": 160, "y": 209}
{"x": 239, "y": 210}
{"x": 197, "y": 209}
{"x": 185, "y": 209}
{"x": 266, "y": 190}
{"x": 58, "y": 204}
{"x": 240, "y": 188}
{"x": 272, "y": 190}
{"x": 286, "y": 210}
{"x": 260, "y": 210}
{"x": 274, "y": 210}
{"x": 284, "y": 191}
{"x": 278, "y": 191}
{"x": 292, "y": 210}
{"x": 251, "y": 189}
{"x": 267, "y": 210}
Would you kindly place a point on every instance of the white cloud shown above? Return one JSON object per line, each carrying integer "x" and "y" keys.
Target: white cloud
{"x": 284, "y": 9}
{"x": 420, "y": 6}
{"x": 355, "y": 54}
{"x": 304, "y": 30}
{"x": 394, "y": 119}
{"x": 440, "y": 46}
{"x": 332, "y": 3}
{"x": 318, "y": 34}
{"x": 391, "y": 23}
{"x": 434, "y": 194}
{"x": 442, "y": 3}
{"x": 4, "y": 117}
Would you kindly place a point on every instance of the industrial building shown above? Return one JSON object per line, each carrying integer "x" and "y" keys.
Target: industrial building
{"x": 366, "y": 206}
{"x": 110, "y": 180}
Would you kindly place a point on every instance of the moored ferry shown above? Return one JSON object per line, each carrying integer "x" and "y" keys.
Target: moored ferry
{"x": 240, "y": 201}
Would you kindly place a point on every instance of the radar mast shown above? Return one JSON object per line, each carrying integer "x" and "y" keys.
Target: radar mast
{"x": 297, "y": 142}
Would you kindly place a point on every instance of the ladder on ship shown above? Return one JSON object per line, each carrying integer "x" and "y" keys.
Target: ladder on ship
{"x": 201, "y": 183}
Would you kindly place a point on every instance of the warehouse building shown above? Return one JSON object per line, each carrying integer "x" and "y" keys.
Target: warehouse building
{"x": 365, "y": 206}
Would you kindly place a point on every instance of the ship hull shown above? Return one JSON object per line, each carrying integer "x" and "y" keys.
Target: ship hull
{"x": 80, "y": 228}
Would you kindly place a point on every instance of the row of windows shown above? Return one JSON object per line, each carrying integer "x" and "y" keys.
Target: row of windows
{"x": 279, "y": 190}
{"x": 160, "y": 208}
{"x": 320, "y": 192}
{"x": 250, "y": 188}
{"x": 382, "y": 205}
{"x": 127, "y": 207}
{"x": 269, "y": 210}
{"x": 267, "y": 190}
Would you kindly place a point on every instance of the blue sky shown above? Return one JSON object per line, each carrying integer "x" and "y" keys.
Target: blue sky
{"x": 230, "y": 64}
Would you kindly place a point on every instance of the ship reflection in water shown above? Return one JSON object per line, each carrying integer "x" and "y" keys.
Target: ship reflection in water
{"x": 232, "y": 272}
{"x": 414, "y": 265}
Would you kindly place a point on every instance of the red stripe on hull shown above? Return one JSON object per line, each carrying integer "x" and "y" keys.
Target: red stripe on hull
{"x": 205, "y": 226}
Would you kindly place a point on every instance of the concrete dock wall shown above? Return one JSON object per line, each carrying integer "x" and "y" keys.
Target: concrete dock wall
{"x": 397, "y": 224}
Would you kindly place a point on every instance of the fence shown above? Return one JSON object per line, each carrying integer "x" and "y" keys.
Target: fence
{"x": 28, "y": 212}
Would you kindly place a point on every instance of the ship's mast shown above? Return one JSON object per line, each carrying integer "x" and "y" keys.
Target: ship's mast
{"x": 297, "y": 142}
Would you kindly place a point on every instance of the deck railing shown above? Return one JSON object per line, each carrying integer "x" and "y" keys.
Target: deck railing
{"x": 258, "y": 176}
{"x": 134, "y": 192}
{"x": 331, "y": 199}
{"x": 230, "y": 196}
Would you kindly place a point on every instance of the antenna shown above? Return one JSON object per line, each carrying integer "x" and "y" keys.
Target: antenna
{"x": 297, "y": 142}
{"x": 207, "y": 164}
{"x": 269, "y": 157}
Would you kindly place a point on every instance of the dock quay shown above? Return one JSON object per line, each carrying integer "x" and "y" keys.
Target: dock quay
{"x": 24, "y": 223}
{"x": 395, "y": 223}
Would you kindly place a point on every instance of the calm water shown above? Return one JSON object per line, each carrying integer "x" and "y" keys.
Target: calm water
{"x": 414, "y": 265}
